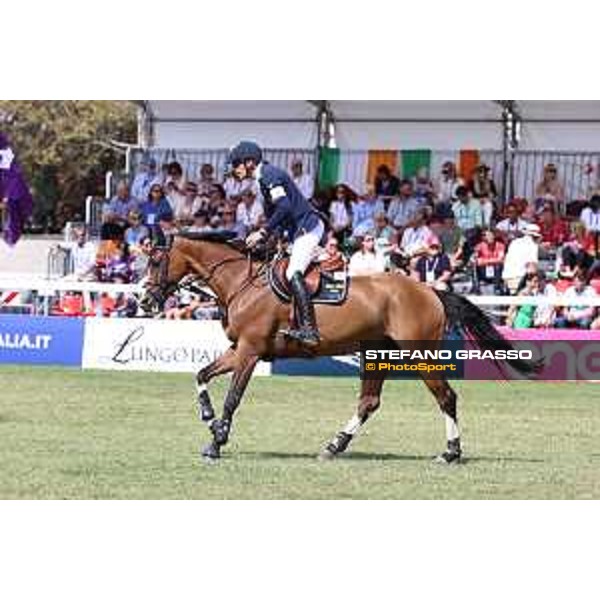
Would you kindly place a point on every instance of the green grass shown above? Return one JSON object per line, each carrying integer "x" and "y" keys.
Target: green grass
{"x": 71, "y": 434}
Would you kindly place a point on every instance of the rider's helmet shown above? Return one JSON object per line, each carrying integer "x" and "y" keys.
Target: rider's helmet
{"x": 245, "y": 151}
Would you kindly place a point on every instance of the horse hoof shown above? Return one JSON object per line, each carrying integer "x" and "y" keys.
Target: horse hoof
{"x": 447, "y": 458}
{"x": 207, "y": 414}
{"x": 326, "y": 454}
{"x": 211, "y": 454}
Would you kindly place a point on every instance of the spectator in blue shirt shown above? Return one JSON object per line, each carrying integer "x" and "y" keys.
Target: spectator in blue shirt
{"x": 118, "y": 209}
{"x": 403, "y": 209}
{"x": 142, "y": 182}
{"x": 363, "y": 214}
{"x": 136, "y": 230}
{"x": 155, "y": 206}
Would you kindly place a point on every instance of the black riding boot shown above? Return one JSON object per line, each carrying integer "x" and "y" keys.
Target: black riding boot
{"x": 307, "y": 333}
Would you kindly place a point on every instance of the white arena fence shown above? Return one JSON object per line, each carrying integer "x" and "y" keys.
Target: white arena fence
{"x": 41, "y": 288}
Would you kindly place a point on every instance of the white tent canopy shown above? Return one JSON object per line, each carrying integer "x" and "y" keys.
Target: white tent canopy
{"x": 439, "y": 125}
{"x": 372, "y": 124}
{"x": 221, "y": 124}
{"x": 566, "y": 125}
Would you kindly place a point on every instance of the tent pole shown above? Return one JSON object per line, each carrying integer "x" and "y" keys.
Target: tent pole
{"x": 510, "y": 116}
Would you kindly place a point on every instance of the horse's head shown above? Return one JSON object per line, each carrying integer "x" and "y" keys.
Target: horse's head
{"x": 169, "y": 264}
{"x": 157, "y": 284}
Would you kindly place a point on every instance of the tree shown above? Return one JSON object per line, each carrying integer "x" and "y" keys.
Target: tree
{"x": 65, "y": 146}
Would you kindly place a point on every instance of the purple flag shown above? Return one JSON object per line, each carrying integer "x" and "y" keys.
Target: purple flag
{"x": 15, "y": 197}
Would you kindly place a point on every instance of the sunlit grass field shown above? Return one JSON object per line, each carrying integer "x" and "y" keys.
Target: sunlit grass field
{"x": 71, "y": 434}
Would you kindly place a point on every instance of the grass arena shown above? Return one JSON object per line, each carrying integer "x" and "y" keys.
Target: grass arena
{"x": 65, "y": 433}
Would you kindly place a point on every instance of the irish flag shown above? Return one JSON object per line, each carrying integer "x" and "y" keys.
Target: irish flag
{"x": 357, "y": 168}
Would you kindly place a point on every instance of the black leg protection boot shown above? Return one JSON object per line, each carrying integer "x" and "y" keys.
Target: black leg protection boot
{"x": 307, "y": 333}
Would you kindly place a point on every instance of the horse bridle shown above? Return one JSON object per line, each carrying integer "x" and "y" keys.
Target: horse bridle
{"x": 161, "y": 290}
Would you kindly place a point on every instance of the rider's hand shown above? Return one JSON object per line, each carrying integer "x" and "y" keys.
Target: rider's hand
{"x": 255, "y": 238}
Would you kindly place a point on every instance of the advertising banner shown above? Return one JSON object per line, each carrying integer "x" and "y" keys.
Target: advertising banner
{"x": 154, "y": 345}
{"x": 325, "y": 366}
{"x": 41, "y": 340}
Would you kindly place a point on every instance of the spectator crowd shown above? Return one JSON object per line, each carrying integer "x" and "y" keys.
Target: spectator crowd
{"x": 448, "y": 231}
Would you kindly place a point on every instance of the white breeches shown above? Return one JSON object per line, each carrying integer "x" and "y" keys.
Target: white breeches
{"x": 304, "y": 250}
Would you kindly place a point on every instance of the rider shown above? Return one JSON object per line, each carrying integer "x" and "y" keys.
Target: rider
{"x": 287, "y": 210}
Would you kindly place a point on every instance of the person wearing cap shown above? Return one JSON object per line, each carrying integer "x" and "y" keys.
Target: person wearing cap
{"x": 146, "y": 177}
{"x": 433, "y": 267}
{"x": 482, "y": 186}
{"x": 303, "y": 181}
{"x": 288, "y": 212}
{"x": 521, "y": 251}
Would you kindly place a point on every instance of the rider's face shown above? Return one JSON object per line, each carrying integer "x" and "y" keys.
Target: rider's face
{"x": 240, "y": 172}
{"x": 244, "y": 170}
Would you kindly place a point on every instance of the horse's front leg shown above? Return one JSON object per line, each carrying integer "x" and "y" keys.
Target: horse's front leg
{"x": 221, "y": 428}
{"x": 224, "y": 364}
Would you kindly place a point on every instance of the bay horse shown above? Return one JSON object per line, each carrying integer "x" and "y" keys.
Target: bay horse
{"x": 388, "y": 306}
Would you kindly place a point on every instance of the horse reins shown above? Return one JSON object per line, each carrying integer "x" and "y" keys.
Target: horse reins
{"x": 166, "y": 288}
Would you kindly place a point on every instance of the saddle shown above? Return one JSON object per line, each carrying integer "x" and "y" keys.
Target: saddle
{"x": 326, "y": 284}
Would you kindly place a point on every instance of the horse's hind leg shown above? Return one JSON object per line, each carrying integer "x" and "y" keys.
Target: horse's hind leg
{"x": 369, "y": 401}
{"x": 446, "y": 398}
{"x": 224, "y": 364}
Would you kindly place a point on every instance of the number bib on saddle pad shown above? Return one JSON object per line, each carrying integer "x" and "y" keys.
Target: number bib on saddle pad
{"x": 325, "y": 287}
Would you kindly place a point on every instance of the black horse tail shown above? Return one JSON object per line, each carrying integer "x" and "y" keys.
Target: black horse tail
{"x": 464, "y": 316}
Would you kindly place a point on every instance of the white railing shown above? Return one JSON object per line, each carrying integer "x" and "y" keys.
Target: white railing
{"x": 558, "y": 300}
{"x": 46, "y": 287}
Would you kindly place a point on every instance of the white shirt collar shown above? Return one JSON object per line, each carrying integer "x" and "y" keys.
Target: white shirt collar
{"x": 258, "y": 171}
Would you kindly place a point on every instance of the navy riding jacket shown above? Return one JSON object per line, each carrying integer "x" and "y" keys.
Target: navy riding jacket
{"x": 286, "y": 209}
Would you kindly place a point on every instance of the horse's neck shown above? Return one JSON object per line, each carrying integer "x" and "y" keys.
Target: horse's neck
{"x": 225, "y": 271}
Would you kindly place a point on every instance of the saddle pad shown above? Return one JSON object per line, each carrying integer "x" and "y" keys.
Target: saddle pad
{"x": 324, "y": 287}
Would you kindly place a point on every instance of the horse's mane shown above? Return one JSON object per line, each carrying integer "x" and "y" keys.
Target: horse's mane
{"x": 218, "y": 237}
{"x": 227, "y": 238}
